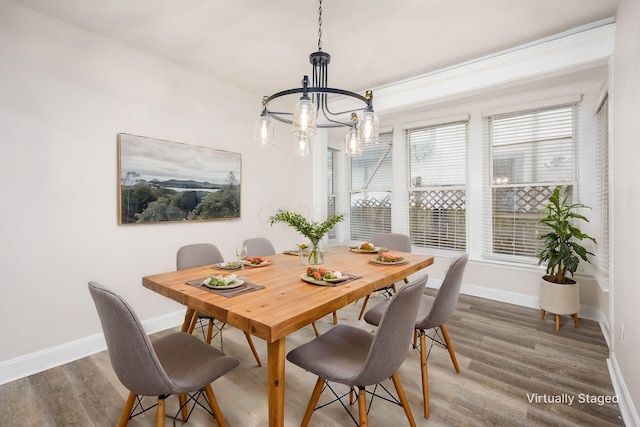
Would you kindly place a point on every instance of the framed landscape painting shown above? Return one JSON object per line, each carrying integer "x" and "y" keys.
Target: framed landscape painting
{"x": 161, "y": 181}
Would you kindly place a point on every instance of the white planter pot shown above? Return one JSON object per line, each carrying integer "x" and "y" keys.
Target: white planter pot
{"x": 559, "y": 299}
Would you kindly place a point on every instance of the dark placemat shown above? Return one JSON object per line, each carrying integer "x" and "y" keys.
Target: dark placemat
{"x": 227, "y": 293}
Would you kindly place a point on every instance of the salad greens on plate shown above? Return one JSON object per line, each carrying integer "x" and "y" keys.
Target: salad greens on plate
{"x": 221, "y": 281}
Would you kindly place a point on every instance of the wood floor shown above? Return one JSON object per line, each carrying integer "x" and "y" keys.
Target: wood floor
{"x": 516, "y": 370}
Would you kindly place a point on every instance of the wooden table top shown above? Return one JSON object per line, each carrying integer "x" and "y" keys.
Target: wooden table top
{"x": 287, "y": 303}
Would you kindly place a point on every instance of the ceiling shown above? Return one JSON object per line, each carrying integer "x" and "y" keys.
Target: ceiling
{"x": 263, "y": 45}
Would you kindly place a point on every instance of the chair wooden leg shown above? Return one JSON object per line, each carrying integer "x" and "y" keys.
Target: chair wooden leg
{"x": 335, "y": 317}
{"x": 423, "y": 371}
{"x": 182, "y": 398}
{"x": 362, "y": 408}
{"x": 575, "y": 319}
{"x": 452, "y": 353}
{"x": 557, "y": 322}
{"x": 403, "y": 399}
{"x": 364, "y": 305}
{"x": 415, "y": 337}
{"x": 315, "y": 329}
{"x": 160, "y": 412}
{"x": 313, "y": 401}
{"x": 209, "y": 331}
{"x": 213, "y": 404}
{"x": 126, "y": 412}
{"x": 192, "y": 323}
{"x": 542, "y": 314}
{"x": 253, "y": 348}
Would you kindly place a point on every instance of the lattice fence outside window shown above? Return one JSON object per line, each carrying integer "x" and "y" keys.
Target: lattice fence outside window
{"x": 437, "y": 218}
{"x": 517, "y": 211}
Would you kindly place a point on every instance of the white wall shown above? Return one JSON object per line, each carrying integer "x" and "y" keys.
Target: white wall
{"x": 625, "y": 103}
{"x": 65, "y": 94}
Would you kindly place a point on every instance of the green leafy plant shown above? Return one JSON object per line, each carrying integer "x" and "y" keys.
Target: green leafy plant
{"x": 312, "y": 230}
{"x": 562, "y": 250}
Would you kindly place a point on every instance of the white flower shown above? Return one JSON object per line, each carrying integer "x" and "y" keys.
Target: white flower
{"x": 337, "y": 274}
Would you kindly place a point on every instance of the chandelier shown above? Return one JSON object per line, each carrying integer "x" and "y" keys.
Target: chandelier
{"x": 312, "y": 110}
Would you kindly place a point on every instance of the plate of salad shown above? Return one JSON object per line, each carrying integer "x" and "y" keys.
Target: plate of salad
{"x": 223, "y": 282}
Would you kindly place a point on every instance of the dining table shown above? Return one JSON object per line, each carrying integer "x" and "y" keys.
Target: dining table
{"x": 282, "y": 301}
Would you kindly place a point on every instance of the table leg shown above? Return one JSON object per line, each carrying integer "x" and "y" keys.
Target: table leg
{"x": 275, "y": 377}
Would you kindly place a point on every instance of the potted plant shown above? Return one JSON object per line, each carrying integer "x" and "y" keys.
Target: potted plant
{"x": 313, "y": 231}
{"x": 562, "y": 252}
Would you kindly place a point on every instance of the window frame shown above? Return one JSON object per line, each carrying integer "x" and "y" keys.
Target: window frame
{"x": 534, "y": 192}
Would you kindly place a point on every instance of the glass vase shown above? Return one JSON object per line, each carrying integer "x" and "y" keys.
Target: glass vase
{"x": 316, "y": 254}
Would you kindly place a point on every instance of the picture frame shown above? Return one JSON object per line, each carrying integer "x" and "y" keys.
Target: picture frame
{"x": 164, "y": 181}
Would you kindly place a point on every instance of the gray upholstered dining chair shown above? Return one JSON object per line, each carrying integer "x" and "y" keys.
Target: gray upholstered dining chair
{"x": 177, "y": 363}
{"x": 196, "y": 255}
{"x": 259, "y": 246}
{"x": 357, "y": 358}
{"x": 394, "y": 242}
{"x": 433, "y": 313}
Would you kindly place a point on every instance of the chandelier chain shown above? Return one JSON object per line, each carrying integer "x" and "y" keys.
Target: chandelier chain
{"x": 320, "y": 27}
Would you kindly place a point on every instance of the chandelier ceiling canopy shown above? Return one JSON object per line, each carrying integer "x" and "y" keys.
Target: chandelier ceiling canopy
{"x": 312, "y": 110}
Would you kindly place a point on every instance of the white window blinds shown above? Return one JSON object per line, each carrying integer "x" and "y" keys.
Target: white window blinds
{"x": 437, "y": 195}
{"x": 602, "y": 117}
{"x": 331, "y": 188}
{"x": 528, "y": 155}
{"x": 370, "y": 190}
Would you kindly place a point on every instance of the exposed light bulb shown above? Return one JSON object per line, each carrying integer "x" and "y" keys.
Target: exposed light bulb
{"x": 368, "y": 128}
{"x": 352, "y": 144}
{"x": 263, "y": 134}
{"x": 303, "y": 145}
{"x": 304, "y": 117}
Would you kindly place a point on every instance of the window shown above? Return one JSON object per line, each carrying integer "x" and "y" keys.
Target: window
{"x": 370, "y": 192}
{"x": 528, "y": 155}
{"x": 437, "y": 195}
{"x": 331, "y": 188}
{"x": 602, "y": 138}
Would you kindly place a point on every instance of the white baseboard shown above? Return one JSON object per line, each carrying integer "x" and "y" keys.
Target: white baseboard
{"x": 39, "y": 361}
{"x": 625, "y": 403}
{"x": 586, "y": 312}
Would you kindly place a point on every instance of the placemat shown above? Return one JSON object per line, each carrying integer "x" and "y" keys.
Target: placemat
{"x": 227, "y": 293}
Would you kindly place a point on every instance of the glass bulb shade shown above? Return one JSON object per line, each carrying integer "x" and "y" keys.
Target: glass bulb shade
{"x": 368, "y": 128}
{"x": 303, "y": 145}
{"x": 304, "y": 117}
{"x": 263, "y": 134}
{"x": 352, "y": 144}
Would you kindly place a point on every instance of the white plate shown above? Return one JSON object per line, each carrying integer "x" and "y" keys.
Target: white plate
{"x": 238, "y": 283}
{"x": 367, "y": 251}
{"x": 228, "y": 265}
{"x": 340, "y": 279}
{"x": 375, "y": 261}
{"x": 313, "y": 281}
{"x": 263, "y": 264}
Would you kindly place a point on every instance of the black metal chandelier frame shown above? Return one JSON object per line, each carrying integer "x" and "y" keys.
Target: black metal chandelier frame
{"x": 320, "y": 92}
